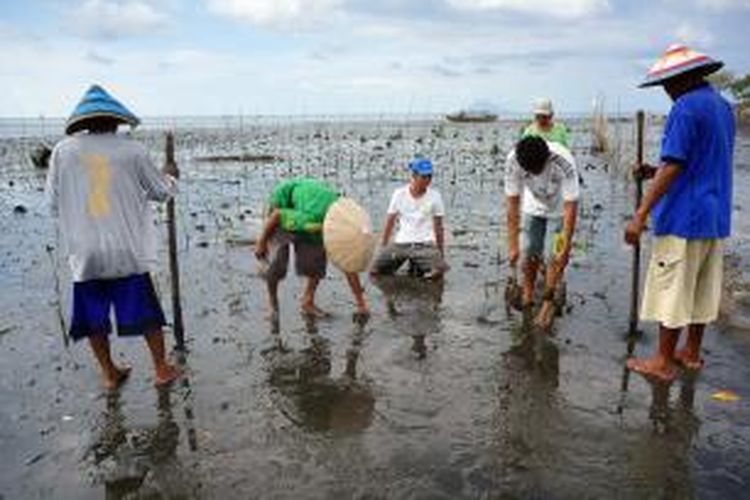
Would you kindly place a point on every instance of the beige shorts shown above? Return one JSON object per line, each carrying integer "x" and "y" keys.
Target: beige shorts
{"x": 683, "y": 283}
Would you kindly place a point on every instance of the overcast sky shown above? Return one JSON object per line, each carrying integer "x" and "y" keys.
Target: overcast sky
{"x": 172, "y": 57}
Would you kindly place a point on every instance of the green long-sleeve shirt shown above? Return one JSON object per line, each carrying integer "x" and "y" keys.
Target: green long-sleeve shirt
{"x": 303, "y": 203}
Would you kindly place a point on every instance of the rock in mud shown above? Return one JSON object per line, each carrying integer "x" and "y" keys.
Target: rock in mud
{"x": 20, "y": 209}
{"x": 40, "y": 155}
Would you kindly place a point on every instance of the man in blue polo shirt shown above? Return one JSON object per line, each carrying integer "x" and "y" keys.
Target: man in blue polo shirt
{"x": 690, "y": 202}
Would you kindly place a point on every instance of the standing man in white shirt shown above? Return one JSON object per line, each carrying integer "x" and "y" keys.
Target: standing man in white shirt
{"x": 542, "y": 173}
{"x": 418, "y": 209}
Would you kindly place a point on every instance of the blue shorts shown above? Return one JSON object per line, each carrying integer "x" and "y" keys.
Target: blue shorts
{"x": 137, "y": 309}
{"x": 540, "y": 233}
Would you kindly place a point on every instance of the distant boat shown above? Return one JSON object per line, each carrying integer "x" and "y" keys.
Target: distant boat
{"x": 471, "y": 117}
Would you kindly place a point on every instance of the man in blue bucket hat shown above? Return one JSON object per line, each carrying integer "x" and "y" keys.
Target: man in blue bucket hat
{"x": 99, "y": 186}
{"x": 418, "y": 209}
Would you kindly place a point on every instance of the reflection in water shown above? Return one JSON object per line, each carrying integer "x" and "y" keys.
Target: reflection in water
{"x": 307, "y": 394}
{"x": 529, "y": 416}
{"x": 535, "y": 351}
{"x": 662, "y": 458}
{"x": 414, "y": 306}
{"x": 139, "y": 461}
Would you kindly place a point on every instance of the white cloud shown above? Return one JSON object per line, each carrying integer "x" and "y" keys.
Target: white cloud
{"x": 273, "y": 12}
{"x": 567, "y": 9}
{"x": 723, "y": 5}
{"x": 112, "y": 19}
{"x": 693, "y": 35}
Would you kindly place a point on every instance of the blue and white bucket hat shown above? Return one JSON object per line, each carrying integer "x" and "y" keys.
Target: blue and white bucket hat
{"x": 97, "y": 103}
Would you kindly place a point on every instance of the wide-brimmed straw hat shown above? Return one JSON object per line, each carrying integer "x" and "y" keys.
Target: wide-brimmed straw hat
{"x": 677, "y": 60}
{"x": 348, "y": 237}
{"x": 97, "y": 103}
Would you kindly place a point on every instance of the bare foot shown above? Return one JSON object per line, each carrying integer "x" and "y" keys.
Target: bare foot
{"x": 166, "y": 374}
{"x": 113, "y": 381}
{"x": 361, "y": 316}
{"x": 314, "y": 311}
{"x": 545, "y": 316}
{"x": 687, "y": 360}
{"x": 655, "y": 368}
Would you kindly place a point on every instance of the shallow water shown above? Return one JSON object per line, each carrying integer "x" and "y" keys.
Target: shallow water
{"x": 439, "y": 395}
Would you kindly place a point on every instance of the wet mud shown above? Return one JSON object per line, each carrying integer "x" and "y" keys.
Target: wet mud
{"x": 442, "y": 394}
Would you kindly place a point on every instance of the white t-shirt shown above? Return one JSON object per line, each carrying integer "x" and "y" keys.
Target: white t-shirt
{"x": 99, "y": 187}
{"x": 542, "y": 193}
{"x": 415, "y": 215}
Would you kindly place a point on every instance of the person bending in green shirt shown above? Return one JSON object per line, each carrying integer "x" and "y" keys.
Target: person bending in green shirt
{"x": 297, "y": 210}
{"x": 544, "y": 126}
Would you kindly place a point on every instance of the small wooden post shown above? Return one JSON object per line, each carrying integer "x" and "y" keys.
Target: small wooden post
{"x": 174, "y": 267}
{"x": 635, "y": 283}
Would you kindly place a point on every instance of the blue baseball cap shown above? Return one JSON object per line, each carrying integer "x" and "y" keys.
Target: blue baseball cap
{"x": 421, "y": 166}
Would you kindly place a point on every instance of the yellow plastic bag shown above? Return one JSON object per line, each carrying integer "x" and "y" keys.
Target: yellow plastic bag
{"x": 726, "y": 396}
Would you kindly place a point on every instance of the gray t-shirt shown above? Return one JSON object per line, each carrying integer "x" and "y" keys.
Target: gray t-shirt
{"x": 99, "y": 186}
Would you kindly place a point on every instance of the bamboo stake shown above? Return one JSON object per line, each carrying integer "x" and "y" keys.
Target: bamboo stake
{"x": 174, "y": 268}
{"x": 58, "y": 295}
{"x": 635, "y": 283}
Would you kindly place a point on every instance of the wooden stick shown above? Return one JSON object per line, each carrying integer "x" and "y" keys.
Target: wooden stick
{"x": 174, "y": 267}
{"x": 58, "y": 294}
{"x": 636, "y": 271}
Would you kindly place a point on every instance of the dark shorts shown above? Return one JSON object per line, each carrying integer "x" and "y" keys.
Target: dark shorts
{"x": 137, "y": 309}
{"x": 423, "y": 258}
{"x": 309, "y": 258}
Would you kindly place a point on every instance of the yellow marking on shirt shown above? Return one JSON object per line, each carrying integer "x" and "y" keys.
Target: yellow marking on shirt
{"x": 100, "y": 176}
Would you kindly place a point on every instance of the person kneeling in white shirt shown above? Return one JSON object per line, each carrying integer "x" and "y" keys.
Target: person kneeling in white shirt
{"x": 419, "y": 211}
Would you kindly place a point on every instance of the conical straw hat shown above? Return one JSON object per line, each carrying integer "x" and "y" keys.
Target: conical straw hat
{"x": 97, "y": 103}
{"x": 677, "y": 60}
{"x": 348, "y": 236}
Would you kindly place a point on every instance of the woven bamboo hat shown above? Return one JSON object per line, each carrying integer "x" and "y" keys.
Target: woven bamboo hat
{"x": 348, "y": 236}
{"x": 97, "y": 103}
{"x": 677, "y": 60}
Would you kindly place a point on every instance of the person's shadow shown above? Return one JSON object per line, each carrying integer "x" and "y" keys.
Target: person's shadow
{"x": 413, "y": 306}
{"x": 307, "y": 394}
